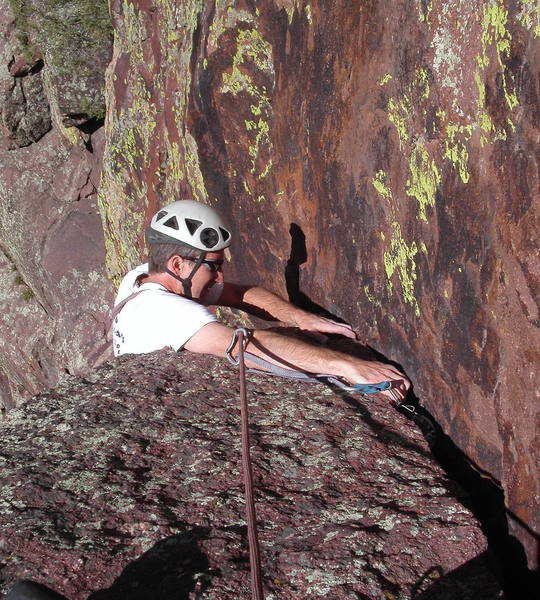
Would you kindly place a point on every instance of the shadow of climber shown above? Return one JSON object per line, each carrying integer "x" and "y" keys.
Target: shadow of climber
{"x": 172, "y": 568}
{"x": 297, "y": 258}
{"x": 471, "y": 581}
{"x": 29, "y": 590}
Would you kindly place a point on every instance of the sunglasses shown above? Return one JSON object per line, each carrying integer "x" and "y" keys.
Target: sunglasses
{"x": 211, "y": 265}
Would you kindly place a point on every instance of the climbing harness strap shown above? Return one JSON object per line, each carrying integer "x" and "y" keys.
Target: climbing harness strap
{"x": 254, "y": 551}
{"x": 116, "y": 311}
{"x": 118, "y": 307}
{"x": 277, "y": 371}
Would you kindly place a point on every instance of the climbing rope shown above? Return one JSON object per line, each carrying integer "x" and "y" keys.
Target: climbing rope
{"x": 254, "y": 551}
{"x": 239, "y": 338}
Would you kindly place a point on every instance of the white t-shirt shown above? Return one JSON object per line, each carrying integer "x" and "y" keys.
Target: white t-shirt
{"x": 157, "y": 318}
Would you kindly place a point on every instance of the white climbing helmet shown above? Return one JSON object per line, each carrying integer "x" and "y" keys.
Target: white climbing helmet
{"x": 191, "y": 223}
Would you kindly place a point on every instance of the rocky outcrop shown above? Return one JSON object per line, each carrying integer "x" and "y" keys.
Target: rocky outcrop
{"x": 55, "y": 297}
{"x": 379, "y": 160}
{"x": 127, "y": 484}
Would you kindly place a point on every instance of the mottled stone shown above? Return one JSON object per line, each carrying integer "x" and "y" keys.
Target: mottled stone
{"x": 55, "y": 298}
{"x": 24, "y": 108}
{"x": 75, "y": 40}
{"x": 127, "y": 484}
{"x": 384, "y": 158}
{"x": 26, "y": 117}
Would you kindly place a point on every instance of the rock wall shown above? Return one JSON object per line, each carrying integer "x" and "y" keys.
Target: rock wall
{"x": 138, "y": 492}
{"x": 55, "y": 295}
{"x": 377, "y": 159}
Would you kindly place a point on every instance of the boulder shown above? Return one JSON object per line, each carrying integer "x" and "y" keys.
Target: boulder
{"x": 127, "y": 484}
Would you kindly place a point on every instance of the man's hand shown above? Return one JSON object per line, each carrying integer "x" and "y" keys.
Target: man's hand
{"x": 316, "y": 324}
{"x": 375, "y": 372}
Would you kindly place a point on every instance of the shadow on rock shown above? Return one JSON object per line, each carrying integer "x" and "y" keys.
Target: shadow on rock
{"x": 30, "y": 590}
{"x": 172, "y": 568}
{"x": 470, "y": 581}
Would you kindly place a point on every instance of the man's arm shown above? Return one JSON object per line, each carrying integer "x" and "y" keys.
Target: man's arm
{"x": 214, "y": 338}
{"x": 263, "y": 303}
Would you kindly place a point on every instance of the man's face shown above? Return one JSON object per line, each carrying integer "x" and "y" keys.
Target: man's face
{"x": 205, "y": 277}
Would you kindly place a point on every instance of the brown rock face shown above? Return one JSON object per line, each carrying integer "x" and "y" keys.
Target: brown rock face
{"x": 138, "y": 492}
{"x": 55, "y": 297}
{"x": 384, "y": 157}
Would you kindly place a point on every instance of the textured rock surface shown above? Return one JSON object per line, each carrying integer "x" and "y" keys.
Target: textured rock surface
{"x": 129, "y": 482}
{"x": 75, "y": 40}
{"x": 24, "y": 108}
{"x": 393, "y": 149}
{"x": 55, "y": 296}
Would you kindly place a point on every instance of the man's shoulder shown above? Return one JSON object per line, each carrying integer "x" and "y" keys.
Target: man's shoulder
{"x": 154, "y": 298}
{"x": 128, "y": 285}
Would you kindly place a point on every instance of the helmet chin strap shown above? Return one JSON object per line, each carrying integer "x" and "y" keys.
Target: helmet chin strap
{"x": 186, "y": 282}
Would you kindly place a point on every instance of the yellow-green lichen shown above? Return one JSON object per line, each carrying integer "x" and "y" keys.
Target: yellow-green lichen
{"x": 529, "y": 16}
{"x": 385, "y": 79}
{"x": 495, "y": 33}
{"x": 424, "y": 9}
{"x": 309, "y": 15}
{"x": 455, "y": 149}
{"x": 226, "y": 17}
{"x": 370, "y": 297}
{"x": 193, "y": 170}
{"x": 379, "y": 183}
{"x": 253, "y": 47}
{"x": 424, "y": 180}
{"x": 400, "y": 259}
{"x": 422, "y": 81}
{"x": 290, "y": 6}
{"x": 398, "y": 114}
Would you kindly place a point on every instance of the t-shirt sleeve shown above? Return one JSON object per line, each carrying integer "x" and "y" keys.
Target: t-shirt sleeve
{"x": 154, "y": 320}
{"x": 180, "y": 320}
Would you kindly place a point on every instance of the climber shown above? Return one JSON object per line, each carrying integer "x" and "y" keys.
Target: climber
{"x": 164, "y": 304}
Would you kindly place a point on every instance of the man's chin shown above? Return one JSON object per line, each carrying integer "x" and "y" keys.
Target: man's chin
{"x": 203, "y": 293}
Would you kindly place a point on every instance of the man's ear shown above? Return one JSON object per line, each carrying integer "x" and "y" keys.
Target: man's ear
{"x": 175, "y": 263}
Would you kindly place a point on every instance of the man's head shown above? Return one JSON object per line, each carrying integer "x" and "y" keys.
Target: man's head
{"x": 191, "y": 232}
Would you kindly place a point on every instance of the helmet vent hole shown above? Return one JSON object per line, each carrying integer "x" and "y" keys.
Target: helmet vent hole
{"x": 172, "y": 223}
{"x": 161, "y": 214}
{"x": 225, "y": 234}
{"x": 192, "y": 225}
{"x": 209, "y": 237}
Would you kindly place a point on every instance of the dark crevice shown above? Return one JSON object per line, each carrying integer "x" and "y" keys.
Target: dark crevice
{"x": 83, "y": 122}
{"x": 484, "y": 497}
{"x": 37, "y": 67}
{"x": 487, "y": 505}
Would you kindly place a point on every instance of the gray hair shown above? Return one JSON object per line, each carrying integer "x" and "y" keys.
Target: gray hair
{"x": 159, "y": 254}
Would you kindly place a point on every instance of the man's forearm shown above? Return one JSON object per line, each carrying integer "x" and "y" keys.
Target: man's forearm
{"x": 214, "y": 338}
{"x": 297, "y": 354}
{"x": 260, "y": 302}
{"x": 277, "y": 307}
